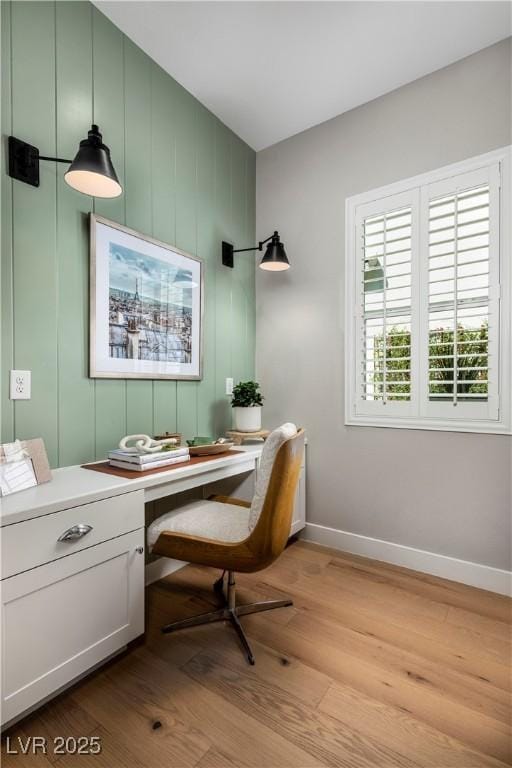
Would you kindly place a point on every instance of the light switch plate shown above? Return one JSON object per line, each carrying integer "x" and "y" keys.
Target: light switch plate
{"x": 229, "y": 386}
{"x": 20, "y": 385}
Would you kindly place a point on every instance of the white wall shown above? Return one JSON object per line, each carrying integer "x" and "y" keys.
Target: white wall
{"x": 448, "y": 493}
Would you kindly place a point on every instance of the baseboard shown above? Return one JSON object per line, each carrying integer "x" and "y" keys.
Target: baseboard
{"x": 463, "y": 571}
{"x": 160, "y": 568}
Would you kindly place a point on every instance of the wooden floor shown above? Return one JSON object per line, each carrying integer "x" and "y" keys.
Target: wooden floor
{"x": 373, "y": 666}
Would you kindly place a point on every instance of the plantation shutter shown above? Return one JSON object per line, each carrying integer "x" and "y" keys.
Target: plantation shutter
{"x": 428, "y": 293}
{"x": 460, "y": 322}
{"x": 385, "y": 322}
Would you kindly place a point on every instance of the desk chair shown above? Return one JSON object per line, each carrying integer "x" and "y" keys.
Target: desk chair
{"x": 236, "y": 535}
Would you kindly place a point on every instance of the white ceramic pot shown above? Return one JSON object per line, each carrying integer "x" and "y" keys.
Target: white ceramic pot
{"x": 247, "y": 419}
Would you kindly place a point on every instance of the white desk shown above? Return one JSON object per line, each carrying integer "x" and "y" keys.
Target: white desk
{"x": 75, "y": 486}
{"x": 69, "y": 605}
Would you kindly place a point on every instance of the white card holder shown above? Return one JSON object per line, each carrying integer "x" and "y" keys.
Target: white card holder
{"x": 16, "y": 476}
{"x": 23, "y": 464}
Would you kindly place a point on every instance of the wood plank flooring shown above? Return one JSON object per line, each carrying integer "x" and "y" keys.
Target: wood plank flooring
{"x": 374, "y": 666}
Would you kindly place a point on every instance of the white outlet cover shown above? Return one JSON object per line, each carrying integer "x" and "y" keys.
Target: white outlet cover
{"x": 20, "y": 385}
{"x": 229, "y": 386}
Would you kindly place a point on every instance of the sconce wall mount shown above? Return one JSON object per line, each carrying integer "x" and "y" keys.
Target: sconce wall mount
{"x": 274, "y": 259}
{"x": 23, "y": 161}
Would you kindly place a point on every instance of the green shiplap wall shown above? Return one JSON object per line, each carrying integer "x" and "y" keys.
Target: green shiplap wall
{"x": 188, "y": 180}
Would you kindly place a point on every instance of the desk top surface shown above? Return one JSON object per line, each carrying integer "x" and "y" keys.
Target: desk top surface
{"x": 73, "y": 486}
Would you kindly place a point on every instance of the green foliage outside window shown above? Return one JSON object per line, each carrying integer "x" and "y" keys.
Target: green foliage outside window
{"x": 471, "y": 354}
{"x": 397, "y": 355}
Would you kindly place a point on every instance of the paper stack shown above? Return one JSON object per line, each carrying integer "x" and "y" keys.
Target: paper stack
{"x": 140, "y": 462}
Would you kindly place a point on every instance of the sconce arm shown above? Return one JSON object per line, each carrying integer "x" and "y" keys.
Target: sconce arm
{"x": 258, "y": 247}
{"x": 55, "y": 159}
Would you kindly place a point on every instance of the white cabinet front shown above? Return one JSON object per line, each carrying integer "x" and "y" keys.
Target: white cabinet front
{"x": 62, "y": 618}
{"x": 299, "y": 509}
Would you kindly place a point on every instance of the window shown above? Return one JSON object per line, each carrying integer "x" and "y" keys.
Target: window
{"x": 428, "y": 300}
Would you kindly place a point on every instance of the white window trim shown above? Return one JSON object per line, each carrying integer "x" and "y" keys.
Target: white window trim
{"x": 503, "y": 425}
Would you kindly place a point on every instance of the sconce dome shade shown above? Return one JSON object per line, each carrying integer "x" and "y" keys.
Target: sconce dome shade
{"x": 92, "y": 172}
{"x": 275, "y": 258}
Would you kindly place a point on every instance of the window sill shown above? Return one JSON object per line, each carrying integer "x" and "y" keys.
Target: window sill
{"x": 487, "y": 427}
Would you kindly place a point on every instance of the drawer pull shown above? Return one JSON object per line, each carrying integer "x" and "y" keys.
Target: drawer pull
{"x": 75, "y": 532}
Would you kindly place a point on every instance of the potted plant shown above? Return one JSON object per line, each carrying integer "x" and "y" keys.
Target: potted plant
{"x": 247, "y": 401}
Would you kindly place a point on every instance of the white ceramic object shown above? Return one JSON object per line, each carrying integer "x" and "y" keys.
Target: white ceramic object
{"x": 144, "y": 444}
{"x": 247, "y": 419}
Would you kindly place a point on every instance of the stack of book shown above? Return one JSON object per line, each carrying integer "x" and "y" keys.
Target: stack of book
{"x": 140, "y": 462}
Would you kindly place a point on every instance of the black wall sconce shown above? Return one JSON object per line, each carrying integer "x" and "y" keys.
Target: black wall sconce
{"x": 91, "y": 172}
{"x": 274, "y": 260}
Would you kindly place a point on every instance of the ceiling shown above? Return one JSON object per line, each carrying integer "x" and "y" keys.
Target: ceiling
{"x": 272, "y": 69}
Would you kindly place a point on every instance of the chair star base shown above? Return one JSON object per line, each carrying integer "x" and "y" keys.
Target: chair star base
{"x": 229, "y": 612}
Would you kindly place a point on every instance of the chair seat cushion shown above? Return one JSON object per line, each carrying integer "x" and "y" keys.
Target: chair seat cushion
{"x": 205, "y": 519}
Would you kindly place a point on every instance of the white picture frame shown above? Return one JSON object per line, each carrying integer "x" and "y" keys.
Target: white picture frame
{"x": 146, "y": 306}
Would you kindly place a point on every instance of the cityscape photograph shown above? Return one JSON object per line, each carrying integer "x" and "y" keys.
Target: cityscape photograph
{"x": 150, "y": 308}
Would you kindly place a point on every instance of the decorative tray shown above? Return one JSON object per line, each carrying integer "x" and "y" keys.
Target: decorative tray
{"x": 209, "y": 449}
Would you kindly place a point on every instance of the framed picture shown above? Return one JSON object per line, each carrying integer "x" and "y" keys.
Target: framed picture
{"x": 146, "y": 303}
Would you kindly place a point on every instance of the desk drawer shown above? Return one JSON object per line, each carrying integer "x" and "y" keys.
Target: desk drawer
{"x": 34, "y": 542}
